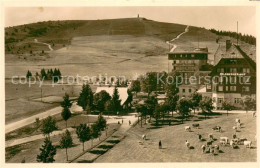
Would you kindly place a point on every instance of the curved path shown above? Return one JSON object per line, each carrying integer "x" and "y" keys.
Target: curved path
{"x": 173, "y": 45}
{"x": 111, "y": 119}
{"x": 15, "y": 125}
{"x": 36, "y": 41}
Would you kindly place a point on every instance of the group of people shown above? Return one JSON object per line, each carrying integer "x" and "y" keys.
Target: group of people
{"x": 123, "y": 122}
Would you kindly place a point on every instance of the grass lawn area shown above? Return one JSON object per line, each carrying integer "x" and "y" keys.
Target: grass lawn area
{"x": 20, "y": 99}
{"x": 134, "y": 149}
{"x": 32, "y": 129}
{"x": 29, "y": 151}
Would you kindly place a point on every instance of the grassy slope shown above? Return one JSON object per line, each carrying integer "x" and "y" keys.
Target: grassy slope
{"x": 173, "y": 142}
{"x": 61, "y": 32}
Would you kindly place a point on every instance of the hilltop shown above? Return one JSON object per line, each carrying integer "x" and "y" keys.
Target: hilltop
{"x": 115, "y": 46}
{"x": 60, "y": 33}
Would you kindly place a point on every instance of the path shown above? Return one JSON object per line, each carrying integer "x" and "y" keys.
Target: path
{"x": 33, "y": 138}
{"x": 120, "y": 132}
{"x": 173, "y": 45}
{"x": 19, "y": 124}
{"x": 112, "y": 119}
{"x": 36, "y": 41}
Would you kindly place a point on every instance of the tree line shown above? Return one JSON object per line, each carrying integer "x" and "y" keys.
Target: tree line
{"x": 84, "y": 133}
{"x": 243, "y": 37}
{"x": 102, "y": 101}
{"x": 47, "y": 75}
{"x": 173, "y": 103}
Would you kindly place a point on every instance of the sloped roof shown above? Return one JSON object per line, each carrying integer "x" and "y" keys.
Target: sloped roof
{"x": 202, "y": 90}
{"x": 122, "y": 91}
{"x": 232, "y": 52}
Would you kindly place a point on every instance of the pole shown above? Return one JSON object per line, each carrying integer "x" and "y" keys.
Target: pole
{"x": 237, "y": 33}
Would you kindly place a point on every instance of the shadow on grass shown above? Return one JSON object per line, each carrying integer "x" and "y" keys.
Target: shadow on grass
{"x": 210, "y": 114}
{"x": 177, "y": 123}
{"x": 85, "y": 161}
{"x": 162, "y": 148}
{"x": 236, "y": 147}
{"x": 203, "y": 118}
{"x": 105, "y": 146}
{"x": 155, "y": 127}
{"x": 113, "y": 141}
{"x": 198, "y": 120}
{"x": 59, "y": 147}
{"x": 115, "y": 136}
{"x": 98, "y": 152}
{"x": 192, "y": 147}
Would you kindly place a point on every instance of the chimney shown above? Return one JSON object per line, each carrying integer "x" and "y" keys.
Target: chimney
{"x": 228, "y": 44}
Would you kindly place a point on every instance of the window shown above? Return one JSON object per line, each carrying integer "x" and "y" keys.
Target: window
{"x": 208, "y": 86}
{"x": 183, "y": 90}
{"x": 237, "y": 100}
{"x": 245, "y": 89}
{"x": 233, "y": 70}
{"x": 214, "y": 88}
{"x": 246, "y": 70}
{"x": 221, "y": 70}
{"x": 233, "y": 88}
{"x": 246, "y": 80}
{"x": 220, "y": 88}
{"x": 220, "y": 100}
{"x": 232, "y": 79}
{"x": 226, "y": 88}
{"x": 189, "y": 90}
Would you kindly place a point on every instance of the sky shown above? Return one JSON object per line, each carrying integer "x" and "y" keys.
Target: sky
{"x": 220, "y": 17}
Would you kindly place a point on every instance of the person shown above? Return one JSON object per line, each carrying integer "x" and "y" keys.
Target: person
{"x": 122, "y": 121}
{"x": 203, "y": 147}
{"x": 212, "y": 150}
{"x": 216, "y": 148}
{"x": 160, "y": 144}
{"x": 232, "y": 144}
{"x": 200, "y": 137}
{"x": 234, "y": 136}
{"x": 118, "y": 122}
{"x": 129, "y": 122}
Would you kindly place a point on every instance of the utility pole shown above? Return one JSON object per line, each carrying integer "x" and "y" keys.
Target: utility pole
{"x": 237, "y": 33}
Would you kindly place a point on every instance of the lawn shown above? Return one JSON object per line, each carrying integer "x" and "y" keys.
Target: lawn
{"x": 29, "y": 151}
{"x": 134, "y": 149}
{"x": 32, "y": 129}
{"x": 20, "y": 99}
